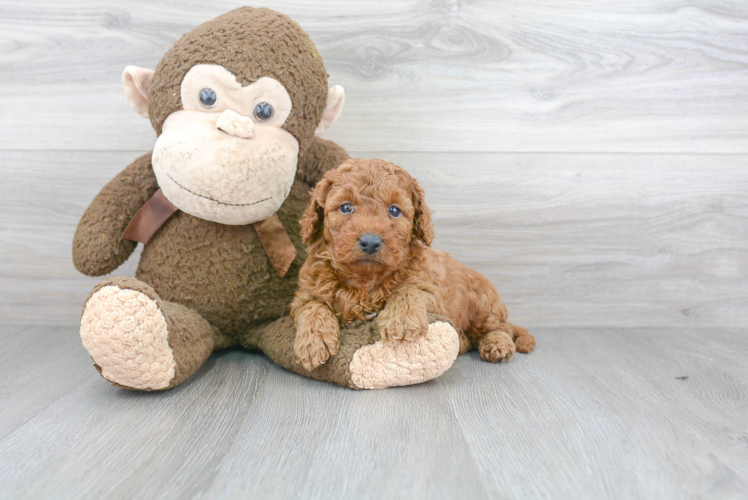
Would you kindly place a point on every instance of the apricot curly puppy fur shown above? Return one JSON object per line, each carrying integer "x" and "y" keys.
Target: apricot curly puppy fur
{"x": 368, "y": 230}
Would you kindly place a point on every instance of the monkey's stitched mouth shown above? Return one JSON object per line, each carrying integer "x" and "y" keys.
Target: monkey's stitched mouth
{"x": 216, "y": 201}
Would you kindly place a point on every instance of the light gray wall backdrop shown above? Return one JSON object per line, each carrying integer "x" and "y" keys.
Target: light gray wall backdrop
{"x": 589, "y": 157}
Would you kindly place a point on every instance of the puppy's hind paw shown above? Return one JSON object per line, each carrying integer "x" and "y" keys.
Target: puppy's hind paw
{"x": 497, "y": 346}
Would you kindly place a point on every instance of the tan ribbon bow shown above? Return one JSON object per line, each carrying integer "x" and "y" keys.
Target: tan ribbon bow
{"x": 157, "y": 210}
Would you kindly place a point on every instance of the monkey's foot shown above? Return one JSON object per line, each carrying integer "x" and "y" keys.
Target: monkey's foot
{"x": 126, "y": 334}
{"x": 392, "y": 363}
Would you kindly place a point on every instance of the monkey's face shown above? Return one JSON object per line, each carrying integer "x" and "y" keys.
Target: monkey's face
{"x": 234, "y": 102}
{"x": 225, "y": 157}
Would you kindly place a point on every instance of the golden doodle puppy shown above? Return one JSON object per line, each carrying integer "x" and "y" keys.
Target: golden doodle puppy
{"x": 368, "y": 232}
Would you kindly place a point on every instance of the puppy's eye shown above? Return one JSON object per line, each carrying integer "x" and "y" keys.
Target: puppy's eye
{"x": 346, "y": 208}
{"x": 394, "y": 212}
{"x": 208, "y": 97}
{"x": 263, "y": 112}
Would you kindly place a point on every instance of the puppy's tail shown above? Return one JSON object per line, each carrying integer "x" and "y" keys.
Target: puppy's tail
{"x": 522, "y": 340}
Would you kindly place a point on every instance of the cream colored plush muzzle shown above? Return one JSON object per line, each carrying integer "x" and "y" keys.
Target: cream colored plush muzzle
{"x": 224, "y": 167}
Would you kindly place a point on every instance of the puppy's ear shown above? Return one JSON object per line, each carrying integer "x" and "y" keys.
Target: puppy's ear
{"x": 422, "y": 227}
{"x": 313, "y": 219}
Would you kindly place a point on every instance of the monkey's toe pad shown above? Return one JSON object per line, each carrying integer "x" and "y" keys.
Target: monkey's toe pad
{"x": 392, "y": 363}
{"x": 126, "y": 334}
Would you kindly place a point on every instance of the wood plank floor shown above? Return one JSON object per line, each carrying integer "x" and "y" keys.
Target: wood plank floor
{"x": 615, "y": 413}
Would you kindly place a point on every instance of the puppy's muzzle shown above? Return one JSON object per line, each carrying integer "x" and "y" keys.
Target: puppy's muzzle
{"x": 370, "y": 243}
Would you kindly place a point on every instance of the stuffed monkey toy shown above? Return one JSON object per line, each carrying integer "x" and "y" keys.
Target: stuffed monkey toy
{"x": 236, "y": 105}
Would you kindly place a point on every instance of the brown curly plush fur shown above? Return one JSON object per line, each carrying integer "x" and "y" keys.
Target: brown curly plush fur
{"x": 214, "y": 282}
{"x": 403, "y": 281}
{"x": 250, "y": 43}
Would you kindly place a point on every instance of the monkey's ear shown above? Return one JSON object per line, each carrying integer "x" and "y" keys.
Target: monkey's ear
{"x": 313, "y": 219}
{"x": 335, "y": 100}
{"x": 136, "y": 82}
{"x": 422, "y": 226}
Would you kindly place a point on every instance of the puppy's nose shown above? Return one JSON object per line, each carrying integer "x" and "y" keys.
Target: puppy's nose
{"x": 370, "y": 243}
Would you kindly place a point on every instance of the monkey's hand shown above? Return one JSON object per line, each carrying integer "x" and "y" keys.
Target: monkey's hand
{"x": 97, "y": 249}
{"x": 317, "y": 335}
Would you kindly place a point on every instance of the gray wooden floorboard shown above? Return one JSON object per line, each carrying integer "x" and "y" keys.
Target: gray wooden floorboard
{"x": 97, "y": 441}
{"x": 38, "y": 366}
{"x": 592, "y": 413}
{"x": 569, "y": 240}
{"x": 443, "y": 75}
{"x": 611, "y": 414}
{"x": 322, "y": 441}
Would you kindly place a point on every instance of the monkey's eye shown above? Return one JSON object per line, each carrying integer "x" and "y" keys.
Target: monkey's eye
{"x": 346, "y": 208}
{"x": 394, "y": 212}
{"x": 263, "y": 112}
{"x": 208, "y": 97}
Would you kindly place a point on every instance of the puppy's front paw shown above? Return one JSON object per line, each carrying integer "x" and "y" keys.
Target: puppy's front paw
{"x": 315, "y": 344}
{"x": 405, "y": 325}
{"x": 497, "y": 346}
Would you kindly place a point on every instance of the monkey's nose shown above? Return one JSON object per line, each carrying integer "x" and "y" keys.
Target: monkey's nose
{"x": 370, "y": 243}
{"x": 235, "y": 124}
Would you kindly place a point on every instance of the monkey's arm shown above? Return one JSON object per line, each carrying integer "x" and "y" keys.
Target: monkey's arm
{"x": 321, "y": 156}
{"x": 97, "y": 249}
